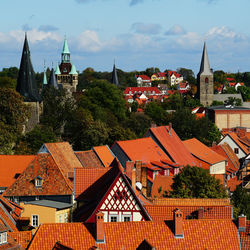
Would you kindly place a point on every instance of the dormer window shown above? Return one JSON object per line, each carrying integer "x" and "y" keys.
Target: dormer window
{"x": 3, "y": 238}
{"x": 38, "y": 182}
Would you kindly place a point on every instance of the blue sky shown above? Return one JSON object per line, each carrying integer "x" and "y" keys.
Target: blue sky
{"x": 136, "y": 33}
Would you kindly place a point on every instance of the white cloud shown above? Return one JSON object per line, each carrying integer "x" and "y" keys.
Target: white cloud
{"x": 89, "y": 40}
{"x": 190, "y": 39}
{"x": 175, "y": 30}
{"x": 146, "y": 28}
{"x": 224, "y": 33}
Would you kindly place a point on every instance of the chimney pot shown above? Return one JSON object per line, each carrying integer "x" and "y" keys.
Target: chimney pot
{"x": 138, "y": 165}
{"x": 133, "y": 179}
{"x": 178, "y": 224}
{"x": 99, "y": 220}
{"x": 242, "y": 222}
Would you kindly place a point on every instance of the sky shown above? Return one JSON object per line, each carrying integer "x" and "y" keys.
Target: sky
{"x": 137, "y": 34}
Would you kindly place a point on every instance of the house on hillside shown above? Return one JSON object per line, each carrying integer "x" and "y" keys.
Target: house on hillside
{"x": 206, "y": 157}
{"x": 174, "y": 78}
{"x": 143, "y": 81}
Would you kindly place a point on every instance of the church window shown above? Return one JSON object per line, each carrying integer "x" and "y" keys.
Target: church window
{"x": 206, "y": 80}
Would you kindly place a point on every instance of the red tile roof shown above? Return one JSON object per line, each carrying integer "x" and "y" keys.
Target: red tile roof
{"x": 141, "y": 89}
{"x": 201, "y": 151}
{"x": 171, "y": 143}
{"x": 165, "y": 212}
{"x": 198, "y": 234}
{"x": 45, "y": 167}
{"x": 233, "y": 183}
{"x": 242, "y": 142}
{"x": 144, "y": 77}
{"x": 64, "y": 156}
{"x": 89, "y": 159}
{"x": 23, "y": 238}
{"x": 144, "y": 149}
{"x": 161, "y": 183}
{"x": 105, "y": 155}
{"x": 11, "y": 166}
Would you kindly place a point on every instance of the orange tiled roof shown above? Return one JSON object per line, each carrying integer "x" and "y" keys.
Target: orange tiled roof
{"x": 10, "y": 165}
{"x": 23, "y": 238}
{"x": 89, "y": 159}
{"x": 198, "y": 234}
{"x": 169, "y": 140}
{"x": 144, "y": 149}
{"x": 105, "y": 154}
{"x": 85, "y": 177}
{"x": 191, "y": 202}
{"x": 240, "y": 142}
{"x": 63, "y": 156}
{"x": 220, "y": 177}
{"x": 161, "y": 212}
{"x": 233, "y": 183}
{"x": 161, "y": 182}
{"x": 45, "y": 167}
{"x": 201, "y": 151}
{"x": 245, "y": 237}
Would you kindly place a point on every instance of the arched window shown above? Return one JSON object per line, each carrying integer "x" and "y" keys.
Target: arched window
{"x": 206, "y": 80}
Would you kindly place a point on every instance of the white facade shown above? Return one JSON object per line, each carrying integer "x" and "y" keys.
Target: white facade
{"x": 218, "y": 168}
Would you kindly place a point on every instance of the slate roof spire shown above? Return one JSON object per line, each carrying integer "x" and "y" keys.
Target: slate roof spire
{"x": 52, "y": 79}
{"x": 44, "y": 76}
{"x": 26, "y": 83}
{"x": 114, "y": 78}
{"x": 205, "y": 66}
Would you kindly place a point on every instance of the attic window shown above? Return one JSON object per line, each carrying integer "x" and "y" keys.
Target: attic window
{"x": 3, "y": 238}
{"x": 236, "y": 150}
{"x": 38, "y": 182}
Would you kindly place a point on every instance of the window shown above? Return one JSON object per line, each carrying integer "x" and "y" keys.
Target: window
{"x": 126, "y": 217}
{"x": 236, "y": 150}
{"x": 34, "y": 220}
{"x": 113, "y": 218}
{"x": 4, "y": 237}
{"x": 60, "y": 218}
{"x": 38, "y": 182}
{"x": 66, "y": 217}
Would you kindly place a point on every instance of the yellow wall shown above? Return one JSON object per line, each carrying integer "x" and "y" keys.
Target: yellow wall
{"x": 63, "y": 213}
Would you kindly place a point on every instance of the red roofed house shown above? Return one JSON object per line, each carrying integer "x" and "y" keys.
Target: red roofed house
{"x": 206, "y": 157}
{"x": 147, "y": 91}
{"x": 161, "y": 76}
{"x": 176, "y": 233}
{"x": 199, "y": 112}
{"x": 106, "y": 190}
{"x": 143, "y": 81}
{"x": 166, "y": 138}
{"x": 11, "y": 166}
{"x": 174, "y": 78}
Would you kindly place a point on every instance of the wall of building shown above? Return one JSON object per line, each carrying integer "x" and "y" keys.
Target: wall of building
{"x": 62, "y": 216}
{"x": 218, "y": 168}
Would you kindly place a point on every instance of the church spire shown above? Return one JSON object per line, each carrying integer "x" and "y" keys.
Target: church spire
{"x": 44, "y": 76}
{"x": 65, "y": 52}
{"x": 52, "y": 79}
{"x": 114, "y": 78}
{"x": 26, "y": 83}
{"x": 205, "y": 66}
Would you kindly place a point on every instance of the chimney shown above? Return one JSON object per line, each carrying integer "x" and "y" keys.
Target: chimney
{"x": 242, "y": 222}
{"x": 129, "y": 167}
{"x": 144, "y": 180}
{"x": 170, "y": 128}
{"x": 178, "y": 224}
{"x": 99, "y": 220}
{"x": 201, "y": 213}
{"x": 133, "y": 179}
{"x": 138, "y": 165}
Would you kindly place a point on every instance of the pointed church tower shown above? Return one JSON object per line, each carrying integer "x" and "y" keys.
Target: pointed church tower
{"x": 52, "y": 79}
{"x": 114, "y": 78}
{"x": 205, "y": 80}
{"x": 66, "y": 73}
{"x": 26, "y": 83}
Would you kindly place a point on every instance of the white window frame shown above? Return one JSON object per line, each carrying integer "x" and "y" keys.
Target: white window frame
{"x": 38, "y": 182}
{"x": 126, "y": 215}
{"x": 66, "y": 217}
{"x": 60, "y": 218}
{"x": 113, "y": 215}
{"x": 4, "y": 237}
{"x": 32, "y": 220}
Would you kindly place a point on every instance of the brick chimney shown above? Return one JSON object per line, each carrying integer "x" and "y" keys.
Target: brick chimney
{"x": 144, "y": 180}
{"x": 178, "y": 224}
{"x": 133, "y": 179}
{"x": 99, "y": 220}
{"x": 242, "y": 222}
{"x": 129, "y": 167}
{"x": 201, "y": 213}
{"x": 138, "y": 165}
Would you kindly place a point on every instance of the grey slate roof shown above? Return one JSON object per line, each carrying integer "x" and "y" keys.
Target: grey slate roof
{"x": 114, "y": 78}
{"x": 49, "y": 203}
{"x": 26, "y": 83}
{"x": 52, "y": 79}
{"x": 205, "y": 66}
{"x": 228, "y": 107}
{"x": 224, "y": 97}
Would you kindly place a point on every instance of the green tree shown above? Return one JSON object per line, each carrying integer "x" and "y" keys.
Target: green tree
{"x": 245, "y": 92}
{"x": 241, "y": 202}
{"x": 7, "y": 82}
{"x": 156, "y": 113}
{"x": 230, "y": 90}
{"x": 194, "y": 182}
{"x": 188, "y": 75}
{"x": 233, "y": 101}
{"x": 220, "y": 77}
{"x": 13, "y": 116}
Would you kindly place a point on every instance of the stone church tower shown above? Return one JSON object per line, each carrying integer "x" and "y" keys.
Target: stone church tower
{"x": 27, "y": 87}
{"x": 205, "y": 80}
{"x": 66, "y": 72}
